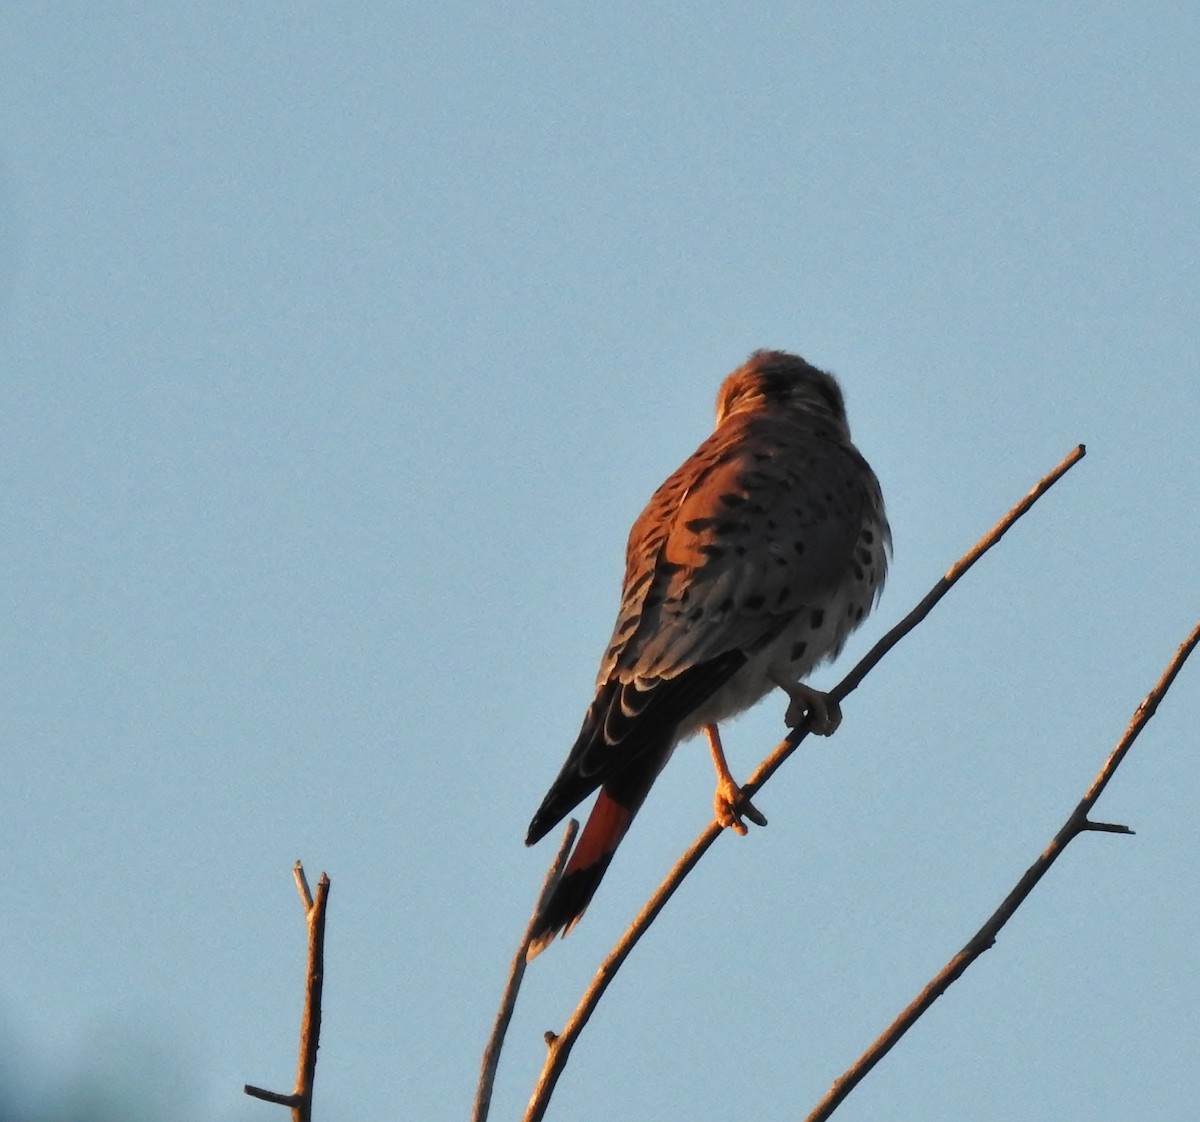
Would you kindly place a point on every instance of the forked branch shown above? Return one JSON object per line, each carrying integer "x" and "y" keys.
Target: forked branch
{"x": 300, "y": 1099}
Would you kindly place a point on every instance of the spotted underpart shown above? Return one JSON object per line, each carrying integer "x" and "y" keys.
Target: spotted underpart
{"x": 752, "y": 563}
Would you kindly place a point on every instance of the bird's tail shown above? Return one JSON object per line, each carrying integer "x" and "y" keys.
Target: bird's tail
{"x": 611, "y": 815}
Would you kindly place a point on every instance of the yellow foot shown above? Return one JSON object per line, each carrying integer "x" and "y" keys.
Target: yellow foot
{"x": 821, "y": 711}
{"x": 730, "y": 805}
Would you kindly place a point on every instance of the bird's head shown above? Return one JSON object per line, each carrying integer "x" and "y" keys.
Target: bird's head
{"x": 778, "y": 381}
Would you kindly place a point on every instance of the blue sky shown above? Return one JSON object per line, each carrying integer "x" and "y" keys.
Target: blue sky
{"x": 339, "y": 347}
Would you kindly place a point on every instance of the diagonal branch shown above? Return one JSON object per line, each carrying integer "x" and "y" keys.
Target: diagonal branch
{"x": 984, "y": 939}
{"x": 559, "y": 1047}
{"x": 300, "y": 1099}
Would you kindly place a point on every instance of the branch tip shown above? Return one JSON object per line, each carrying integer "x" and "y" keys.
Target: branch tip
{"x": 302, "y": 886}
{"x": 1104, "y": 827}
{"x": 270, "y": 1096}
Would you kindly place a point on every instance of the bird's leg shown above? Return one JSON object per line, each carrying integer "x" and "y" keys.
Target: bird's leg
{"x": 728, "y": 801}
{"x": 822, "y": 712}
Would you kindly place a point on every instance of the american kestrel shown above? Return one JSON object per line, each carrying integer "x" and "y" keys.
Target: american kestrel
{"x": 750, "y": 566}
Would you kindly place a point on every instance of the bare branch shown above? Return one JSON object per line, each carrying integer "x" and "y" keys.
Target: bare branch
{"x": 1106, "y": 827}
{"x": 269, "y": 1096}
{"x": 559, "y": 1047}
{"x": 300, "y": 1100}
{"x": 302, "y": 887}
{"x": 1076, "y": 824}
{"x": 491, "y": 1054}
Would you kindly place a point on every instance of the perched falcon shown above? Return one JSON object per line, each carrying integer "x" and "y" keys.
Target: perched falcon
{"x": 749, "y": 567}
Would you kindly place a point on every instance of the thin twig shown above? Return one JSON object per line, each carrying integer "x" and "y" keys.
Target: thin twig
{"x": 559, "y": 1047}
{"x": 1077, "y": 823}
{"x": 300, "y": 1100}
{"x": 491, "y": 1054}
{"x": 302, "y": 887}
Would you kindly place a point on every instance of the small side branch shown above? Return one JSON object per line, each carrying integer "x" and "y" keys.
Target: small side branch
{"x": 1077, "y": 823}
{"x": 300, "y": 1100}
{"x": 559, "y": 1047}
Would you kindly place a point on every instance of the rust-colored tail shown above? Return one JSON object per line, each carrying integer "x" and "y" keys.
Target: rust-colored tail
{"x": 627, "y": 736}
{"x": 605, "y": 828}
